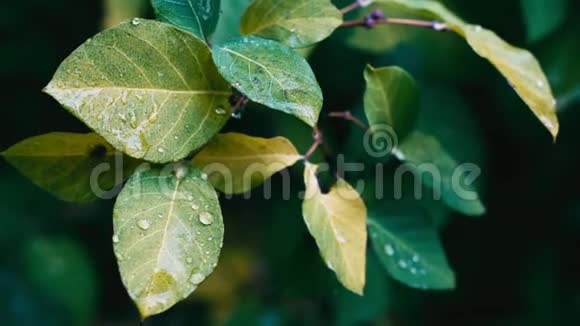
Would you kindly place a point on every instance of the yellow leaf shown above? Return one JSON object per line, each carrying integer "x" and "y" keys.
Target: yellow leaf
{"x": 518, "y": 66}
{"x": 337, "y": 221}
{"x": 236, "y": 163}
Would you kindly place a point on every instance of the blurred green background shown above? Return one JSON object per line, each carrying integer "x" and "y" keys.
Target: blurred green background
{"x": 517, "y": 265}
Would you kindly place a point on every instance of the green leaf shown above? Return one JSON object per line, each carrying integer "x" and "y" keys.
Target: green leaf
{"x": 428, "y": 160}
{"x": 237, "y": 163}
{"x": 271, "y": 74}
{"x": 168, "y": 236}
{"x": 391, "y": 99}
{"x": 150, "y": 89}
{"x": 337, "y": 221}
{"x": 542, "y": 17}
{"x": 73, "y": 167}
{"x": 518, "y": 66}
{"x": 199, "y": 17}
{"x": 409, "y": 248}
{"x": 63, "y": 270}
{"x": 297, "y": 23}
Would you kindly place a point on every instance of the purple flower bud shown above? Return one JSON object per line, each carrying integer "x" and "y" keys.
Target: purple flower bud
{"x": 377, "y": 14}
{"x": 370, "y": 22}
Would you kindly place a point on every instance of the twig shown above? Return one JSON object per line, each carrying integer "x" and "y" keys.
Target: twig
{"x": 346, "y": 115}
{"x": 369, "y": 23}
{"x": 318, "y": 140}
{"x": 349, "y": 8}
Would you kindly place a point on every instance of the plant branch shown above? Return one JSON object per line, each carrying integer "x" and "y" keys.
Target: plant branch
{"x": 346, "y": 115}
{"x": 318, "y": 140}
{"x": 369, "y": 22}
{"x": 349, "y": 8}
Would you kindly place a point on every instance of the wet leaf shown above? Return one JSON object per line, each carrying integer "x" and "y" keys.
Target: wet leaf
{"x": 199, "y": 17}
{"x": 236, "y": 163}
{"x": 150, "y": 89}
{"x": 408, "y": 246}
{"x": 518, "y": 66}
{"x": 168, "y": 236}
{"x": 391, "y": 99}
{"x": 337, "y": 221}
{"x": 73, "y": 167}
{"x": 424, "y": 156}
{"x": 297, "y": 23}
{"x": 271, "y": 74}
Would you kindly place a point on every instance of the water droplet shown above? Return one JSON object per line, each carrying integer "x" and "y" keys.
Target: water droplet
{"x": 415, "y": 258}
{"x": 439, "y": 26}
{"x": 413, "y": 270}
{"x": 143, "y": 224}
{"x": 161, "y": 150}
{"x": 210, "y": 238}
{"x": 477, "y": 28}
{"x": 237, "y": 84}
{"x": 220, "y": 110}
{"x": 160, "y": 215}
{"x": 540, "y": 84}
{"x": 189, "y": 260}
{"x": 402, "y": 264}
{"x": 204, "y": 176}
{"x": 176, "y": 137}
{"x": 206, "y": 218}
{"x": 197, "y": 278}
{"x": 115, "y": 238}
{"x": 237, "y": 114}
{"x": 389, "y": 250}
{"x": 135, "y": 21}
{"x": 180, "y": 172}
{"x": 194, "y": 206}
{"x": 329, "y": 264}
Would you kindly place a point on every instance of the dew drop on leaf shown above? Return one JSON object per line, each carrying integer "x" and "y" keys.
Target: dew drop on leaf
{"x": 402, "y": 264}
{"x": 143, "y": 224}
{"x": 115, "y": 238}
{"x": 389, "y": 250}
{"x": 135, "y": 21}
{"x": 206, "y": 218}
{"x": 197, "y": 278}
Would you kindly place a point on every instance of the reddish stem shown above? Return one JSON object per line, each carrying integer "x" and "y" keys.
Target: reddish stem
{"x": 393, "y": 21}
{"x": 346, "y": 115}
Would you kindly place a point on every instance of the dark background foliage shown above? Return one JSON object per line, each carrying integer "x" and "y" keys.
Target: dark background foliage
{"x": 517, "y": 265}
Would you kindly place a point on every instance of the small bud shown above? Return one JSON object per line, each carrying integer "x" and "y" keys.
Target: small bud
{"x": 370, "y": 22}
{"x": 377, "y": 14}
